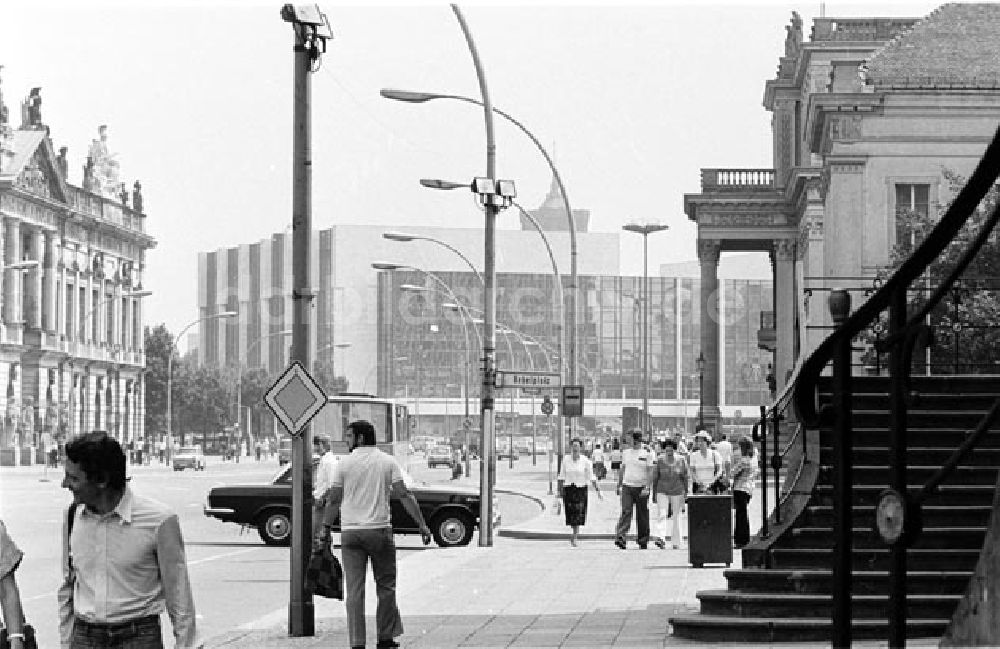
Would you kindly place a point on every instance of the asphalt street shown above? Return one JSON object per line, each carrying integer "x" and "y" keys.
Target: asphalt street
{"x": 235, "y": 577}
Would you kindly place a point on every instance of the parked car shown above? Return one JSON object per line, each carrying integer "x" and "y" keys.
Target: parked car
{"x": 440, "y": 455}
{"x": 189, "y": 457}
{"x": 451, "y": 511}
{"x": 505, "y": 453}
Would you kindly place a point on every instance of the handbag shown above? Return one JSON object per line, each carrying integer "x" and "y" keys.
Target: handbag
{"x": 324, "y": 575}
{"x": 29, "y": 638}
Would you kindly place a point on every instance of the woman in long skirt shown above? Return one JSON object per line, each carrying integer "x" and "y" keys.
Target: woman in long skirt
{"x": 574, "y": 475}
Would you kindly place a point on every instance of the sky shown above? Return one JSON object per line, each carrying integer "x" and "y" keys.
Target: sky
{"x": 630, "y": 100}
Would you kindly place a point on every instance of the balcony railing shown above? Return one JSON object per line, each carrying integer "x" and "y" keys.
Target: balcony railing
{"x": 736, "y": 180}
{"x": 859, "y": 29}
{"x": 106, "y": 209}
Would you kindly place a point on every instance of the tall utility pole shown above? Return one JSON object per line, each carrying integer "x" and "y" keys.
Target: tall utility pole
{"x": 311, "y": 30}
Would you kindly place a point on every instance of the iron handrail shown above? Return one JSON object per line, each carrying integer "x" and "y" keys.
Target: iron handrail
{"x": 906, "y": 332}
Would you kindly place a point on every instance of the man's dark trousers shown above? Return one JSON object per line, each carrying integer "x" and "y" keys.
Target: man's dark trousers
{"x": 633, "y": 497}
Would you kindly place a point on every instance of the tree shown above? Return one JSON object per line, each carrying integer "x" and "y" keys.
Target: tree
{"x": 964, "y": 322}
{"x": 327, "y": 378}
{"x": 158, "y": 345}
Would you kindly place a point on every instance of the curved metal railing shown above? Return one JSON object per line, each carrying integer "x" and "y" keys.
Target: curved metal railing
{"x": 905, "y": 333}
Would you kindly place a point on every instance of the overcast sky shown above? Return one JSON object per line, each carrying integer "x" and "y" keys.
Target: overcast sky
{"x": 631, "y": 102}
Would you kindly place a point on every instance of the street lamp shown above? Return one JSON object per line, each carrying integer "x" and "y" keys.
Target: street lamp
{"x": 406, "y": 237}
{"x": 415, "y": 97}
{"x": 560, "y": 309}
{"x": 645, "y": 229}
{"x": 700, "y": 362}
{"x": 239, "y": 379}
{"x": 170, "y": 375}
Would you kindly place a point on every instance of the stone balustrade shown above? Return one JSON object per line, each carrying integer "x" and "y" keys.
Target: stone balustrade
{"x": 736, "y": 179}
{"x": 106, "y": 209}
{"x": 859, "y": 29}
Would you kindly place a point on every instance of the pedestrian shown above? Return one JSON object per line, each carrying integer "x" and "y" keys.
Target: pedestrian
{"x": 706, "y": 466}
{"x": 744, "y": 475}
{"x": 10, "y": 597}
{"x": 322, "y": 477}
{"x": 123, "y": 557}
{"x": 363, "y": 484}
{"x": 616, "y": 457}
{"x": 162, "y": 450}
{"x": 456, "y": 464}
{"x": 257, "y": 450}
{"x": 633, "y": 487}
{"x": 725, "y": 450}
{"x": 574, "y": 476}
{"x": 600, "y": 470}
{"x": 670, "y": 488}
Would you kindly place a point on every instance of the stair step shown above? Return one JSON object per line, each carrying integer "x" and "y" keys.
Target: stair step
{"x": 923, "y": 455}
{"x": 947, "y": 494}
{"x": 863, "y": 582}
{"x": 941, "y": 436}
{"x": 925, "y": 401}
{"x": 933, "y": 515}
{"x": 729, "y": 602}
{"x": 935, "y": 384}
{"x": 877, "y": 558}
{"x": 742, "y": 630}
{"x": 863, "y": 474}
{"x": 949, "y": 538}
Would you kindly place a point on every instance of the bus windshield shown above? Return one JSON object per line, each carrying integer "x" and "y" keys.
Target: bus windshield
{"x": 333, "y": 419}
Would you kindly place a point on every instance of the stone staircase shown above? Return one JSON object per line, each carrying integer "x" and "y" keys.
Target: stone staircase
{"x": 783, "y": 593}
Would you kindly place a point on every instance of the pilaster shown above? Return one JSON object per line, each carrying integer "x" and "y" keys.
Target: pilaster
{"x": 784, "y": 309}
{"x": 708, "y": 256}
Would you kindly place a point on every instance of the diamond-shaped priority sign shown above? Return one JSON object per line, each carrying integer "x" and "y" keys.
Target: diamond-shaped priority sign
{"x": 295, "y": 398}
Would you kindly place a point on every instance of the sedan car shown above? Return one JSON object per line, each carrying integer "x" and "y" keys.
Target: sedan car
{"x": 451, "y": 511}
{"x": 189, "y": 457}
{"x": 440, "y": 455}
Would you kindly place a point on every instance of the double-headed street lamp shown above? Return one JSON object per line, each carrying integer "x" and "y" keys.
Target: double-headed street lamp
{"x": 645, "y": 229}
{"x": 170, "y": 375}
{"x": 406, "y": 237}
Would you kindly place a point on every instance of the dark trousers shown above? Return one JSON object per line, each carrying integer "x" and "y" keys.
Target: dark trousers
{"x": 143, "y": 633}
{"x": 357, "y": 547}
{"x": 632, "y": 497}
{"x": 741, "y": 533}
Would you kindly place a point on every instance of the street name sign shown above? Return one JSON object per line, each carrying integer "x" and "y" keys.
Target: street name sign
{"x": 517, "y": 379}
{"x": 295, "y": 398}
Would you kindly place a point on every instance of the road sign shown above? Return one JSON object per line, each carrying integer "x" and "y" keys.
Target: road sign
{"x": 517, "y": 379}
{"x": 467, "y": 423}
{"x": 295, "y": 398}
{"x": 547, "y": 406}
{"x": 531, "y": 392}
{"x": 571, "y": 404}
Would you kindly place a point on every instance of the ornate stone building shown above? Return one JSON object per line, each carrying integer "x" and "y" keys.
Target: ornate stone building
{"x": 866, "y": 117}
{"x": 71, "y": 283}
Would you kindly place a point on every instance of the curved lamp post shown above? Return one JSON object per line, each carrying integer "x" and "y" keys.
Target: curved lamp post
{"x": 406, "y": 237}
{"x": 645, "y": 229}
{"x": 170, "y": 375}
{"x": 415, "y": 97}
{"x": 700, "y": 362}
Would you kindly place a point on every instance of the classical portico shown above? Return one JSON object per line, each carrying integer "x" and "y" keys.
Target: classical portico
{"x": 740, "y": 210}
{"x": 71, "y": 272}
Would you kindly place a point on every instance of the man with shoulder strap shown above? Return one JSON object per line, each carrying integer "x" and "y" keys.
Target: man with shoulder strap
{"x": 123, "y": 558}
{"x": 363, "y": 483}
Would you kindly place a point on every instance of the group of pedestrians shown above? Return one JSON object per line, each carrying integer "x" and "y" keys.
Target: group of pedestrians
{"x": 668, "y": 476}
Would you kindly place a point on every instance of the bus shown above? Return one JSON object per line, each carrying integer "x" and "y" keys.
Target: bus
{"x": 390, "y": 418}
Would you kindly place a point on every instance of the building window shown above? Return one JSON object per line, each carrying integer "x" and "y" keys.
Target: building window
{"x": 911, "y": 200}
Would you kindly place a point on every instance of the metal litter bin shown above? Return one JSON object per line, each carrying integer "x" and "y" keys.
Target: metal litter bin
{"x": 710, "y": 529}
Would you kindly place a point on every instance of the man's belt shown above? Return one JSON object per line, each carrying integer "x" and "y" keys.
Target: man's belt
{"x": 118, "y": 626}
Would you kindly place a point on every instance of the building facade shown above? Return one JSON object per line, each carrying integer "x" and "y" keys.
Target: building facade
{"x": 868, "y": 116}
{"x": 71, "y": 358}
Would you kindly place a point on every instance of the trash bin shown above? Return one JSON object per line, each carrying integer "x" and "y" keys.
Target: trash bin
{"x": 710, "y": 529}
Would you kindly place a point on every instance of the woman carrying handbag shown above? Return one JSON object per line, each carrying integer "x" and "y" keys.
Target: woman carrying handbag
{"x": 16, "y": 634}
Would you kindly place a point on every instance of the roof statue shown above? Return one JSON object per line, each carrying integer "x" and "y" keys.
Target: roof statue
{"x": 103, "y": 166}
{"x": 6, "y": 133}
{"x": 794, "y": 37}
{"x": 33, "y": 110}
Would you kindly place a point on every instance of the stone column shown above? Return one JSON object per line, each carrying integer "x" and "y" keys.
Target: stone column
{"x": 75, "y": 324}
{"x": 48, "y": 306}
{"x": 784, "y": 309}
{"x": 33, "y": 292}
{"x": 12, "y": 278}
{"x": 708, "y": 256}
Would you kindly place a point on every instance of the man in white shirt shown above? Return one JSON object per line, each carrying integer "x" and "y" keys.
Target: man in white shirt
{"x": 634, "y": 487}
{"x": 725, "y": 450}
{"x": 322, "y": 477}
{"x": 362, "y": 486}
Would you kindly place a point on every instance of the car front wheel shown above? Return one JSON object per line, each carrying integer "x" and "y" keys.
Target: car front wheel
{"x": 452, "y": 528}
{"x": 275, "y": 527}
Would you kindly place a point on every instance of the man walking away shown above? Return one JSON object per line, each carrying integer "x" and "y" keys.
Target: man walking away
{"x": 123, "y": 558}
{"x": 362, "y": 486}
{"x": 633, "y": 487}
{"x": 323, "y": 477}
